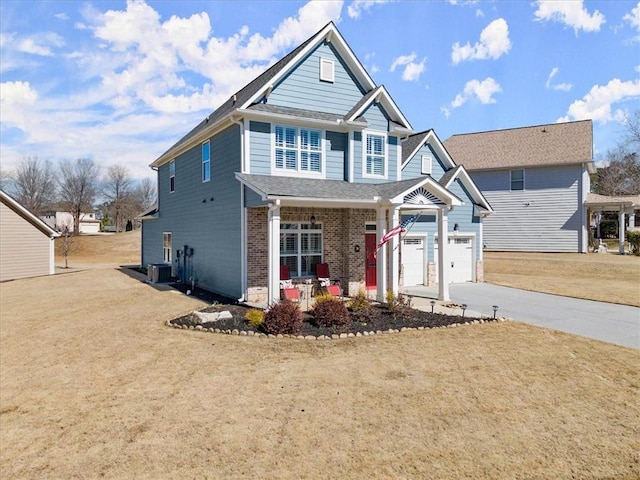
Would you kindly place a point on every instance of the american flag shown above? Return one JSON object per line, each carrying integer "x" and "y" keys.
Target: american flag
{"x": 398, "y": 229}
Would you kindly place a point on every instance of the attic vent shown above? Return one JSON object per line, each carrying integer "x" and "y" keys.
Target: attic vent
{"x": 420, "y": 196}
{"x": 326, "y": 70}
{"x": 426, "y": 164}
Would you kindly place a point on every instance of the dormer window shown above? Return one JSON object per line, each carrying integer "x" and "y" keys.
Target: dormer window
{"x": 326, "y": 70}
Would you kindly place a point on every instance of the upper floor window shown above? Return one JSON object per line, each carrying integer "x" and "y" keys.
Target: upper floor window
{"x": 326, "y": 70}
{"x": 517, "y": 179}
{"x": 298, "y": 149}
{"x": 172, "y": 175}
{"x": 375, "y": 155}
{"x": 206, "y": 161}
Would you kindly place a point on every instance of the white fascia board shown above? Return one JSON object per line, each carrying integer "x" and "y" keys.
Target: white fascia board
{"x": 468, "y": 182}
{"x": 323, "y": 202}
{"x": 207, "y": 133}
{"x": 389, "y": 105}
{"x": 294, "y": 120}
{"x": 432, "y": 139}
{"x": 432, "y": 187}
{"x": 331, "y": 34}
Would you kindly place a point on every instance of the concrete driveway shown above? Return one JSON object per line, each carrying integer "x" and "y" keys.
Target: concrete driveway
{"x": 617, "y": 324}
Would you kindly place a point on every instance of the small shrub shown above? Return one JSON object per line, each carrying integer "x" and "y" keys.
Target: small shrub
{"x": 362, "y": 308}
{"x": 399, "y": 305}
{"x": 255, "y": 317}
{"x": 283, "y": 318}
{"x": 330, "y": 312}
{"x": 633, "y": 237}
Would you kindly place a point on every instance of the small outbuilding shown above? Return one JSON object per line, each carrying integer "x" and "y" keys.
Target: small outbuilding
{"x": 26, "y": 242}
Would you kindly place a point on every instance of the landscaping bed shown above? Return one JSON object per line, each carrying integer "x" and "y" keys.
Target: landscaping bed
{"x": 379, "y": 318}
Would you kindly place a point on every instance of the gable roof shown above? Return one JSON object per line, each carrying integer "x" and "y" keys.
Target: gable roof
{"x": 13, "y": 204}
{"x": 536, "y": 146}
{"x": 246, "y": 99}
{"x": 413, "y": 143}
{"x": 459, "y": 173}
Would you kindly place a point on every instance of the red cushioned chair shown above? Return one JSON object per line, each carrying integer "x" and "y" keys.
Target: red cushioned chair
{"x": 322, "y": 273}
{"x": 290, "y": 292}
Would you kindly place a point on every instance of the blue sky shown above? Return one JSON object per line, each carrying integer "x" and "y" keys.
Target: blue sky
{"x": 120, "y": 81}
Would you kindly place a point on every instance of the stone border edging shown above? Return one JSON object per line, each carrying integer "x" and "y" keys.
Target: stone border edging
{"x": 335, "y": 336}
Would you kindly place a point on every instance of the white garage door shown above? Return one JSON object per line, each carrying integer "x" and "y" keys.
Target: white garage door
{"x": 460, "y": 259}
{"x": 413, "y": 261}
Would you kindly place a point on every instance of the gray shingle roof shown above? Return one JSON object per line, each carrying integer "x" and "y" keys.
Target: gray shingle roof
{"x": 325, "y": 189}
{"x": 448, "y": 175}
{"x": 298, "y": 112}
{"x": 553, "y": 144}
{"x": 411, "y": 143}
{"x": 627, "y": 200}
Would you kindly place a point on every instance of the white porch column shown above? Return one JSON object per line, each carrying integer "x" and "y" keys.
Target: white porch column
{"x": 381, "y": 259}
{"x": 273, "y": 261}
{"x": 443, "y": 254}
{"x": 394, "y": 260}
{"x": 621, "y": 230}
{"x": 598, "y": 219}
{"x": 632, "y": 218}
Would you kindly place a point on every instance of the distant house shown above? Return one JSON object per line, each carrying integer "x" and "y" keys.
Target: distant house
{"x": 312, "y": 162}
{"x": 60, "y": 219}
{"x": 26, "y": 242}
{"x": 536, "y": 179}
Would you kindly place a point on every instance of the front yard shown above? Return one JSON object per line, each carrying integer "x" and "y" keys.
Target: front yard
{"x": 94, "y": 384}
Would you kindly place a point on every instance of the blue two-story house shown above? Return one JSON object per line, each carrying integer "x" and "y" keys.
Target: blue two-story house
{"x": 309, "y": 163}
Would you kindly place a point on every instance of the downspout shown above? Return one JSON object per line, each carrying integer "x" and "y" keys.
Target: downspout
{"x": 243, "y": 216}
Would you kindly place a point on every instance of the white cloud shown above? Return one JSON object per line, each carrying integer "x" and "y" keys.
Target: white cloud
{"x": 565, "y": 87}
{"x": 358, "y": 6}
{"x": 633, "y": 18}
{"x": 598, "y": 103}
{"x": 39, "y": 44}
{"x": 571, "y": 13}
{"x": 483, "y": 91}
{"x": 412, "y": 69}
{"x": 494, "y": 42}
{"x": 61, "y": 16}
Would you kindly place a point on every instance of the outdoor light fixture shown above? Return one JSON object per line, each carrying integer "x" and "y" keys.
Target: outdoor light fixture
{"x": 356, "y": 248}
{"x": 495, "y": 309}
{"x": 433, "y": 302}
{"x": 464, "y": 308}
{"x": 313, "y": 220}
{"x": 456, "y": 227}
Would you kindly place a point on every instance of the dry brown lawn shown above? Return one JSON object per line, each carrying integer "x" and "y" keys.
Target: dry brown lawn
{"x": 92, "y": 384}
{"x": 603, "y": 277}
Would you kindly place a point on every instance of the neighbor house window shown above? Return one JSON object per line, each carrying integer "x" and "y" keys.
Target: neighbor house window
{"x": 166, "y": 247}
{"x": 301, "y": 248}
{"x": 206, "y": 161}
{"x": 326, "y": 70}
{"x": 517, "y": 179}
{"x": 298, "y": 149}
{"x": 172, "y": 175}
{"x": 426, "y": 164}
{"x": 375, "y": 155}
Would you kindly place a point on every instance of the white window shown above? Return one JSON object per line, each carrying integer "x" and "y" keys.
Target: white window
{"x": 172, "y": 176}
{"x": 326, "y": 70}
{"x": 517, "y": 179}
{"x": 301, "y": 248}
{"x": 427, "y": 160}
{"x": 375, "y": 158}
{"x": 298, "y": 149}
{"x": 166, "y": 247}
{"x": 206, "y": 161}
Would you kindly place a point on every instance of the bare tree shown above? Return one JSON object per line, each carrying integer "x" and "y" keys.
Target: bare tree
{"x": 34, "y": 184}
{"x": 5, "y": 179}
{"x": 145, "y": 193}
{"x": 632, "y": 128}
{"x": 117, "y": 189}
{"x": 621, "y": 176}
{"x": 78, "y": 187}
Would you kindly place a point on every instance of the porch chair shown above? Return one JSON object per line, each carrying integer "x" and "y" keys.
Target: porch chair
{"x": 322, "y": 273}
{"x": 290, "y": 292}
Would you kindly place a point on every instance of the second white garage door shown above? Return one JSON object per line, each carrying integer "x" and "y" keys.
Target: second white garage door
{"x": 460, "y": 259}
{"x": 413, "y": 261}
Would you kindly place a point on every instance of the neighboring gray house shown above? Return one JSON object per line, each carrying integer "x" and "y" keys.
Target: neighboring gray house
{"x": 537, "y": 181}
{"x": 26, "y": 242}
{"x": 309, "y": 163}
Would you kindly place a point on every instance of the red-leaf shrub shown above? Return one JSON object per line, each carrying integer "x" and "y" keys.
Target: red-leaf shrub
{"x": 330, "y": 312}
{"x": 283, "y": 318}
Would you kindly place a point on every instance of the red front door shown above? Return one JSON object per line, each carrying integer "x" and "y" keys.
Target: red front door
{"x": 370, "y": 260}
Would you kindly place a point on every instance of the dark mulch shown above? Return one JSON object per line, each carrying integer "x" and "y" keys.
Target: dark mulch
{"x": 380, "y": 318}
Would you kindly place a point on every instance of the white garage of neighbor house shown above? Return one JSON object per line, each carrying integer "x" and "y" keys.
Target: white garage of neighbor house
{"x": 26, "y": 242}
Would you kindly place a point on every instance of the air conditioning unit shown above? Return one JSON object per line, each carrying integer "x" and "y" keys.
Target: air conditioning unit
{"x": 159, "y": 273}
